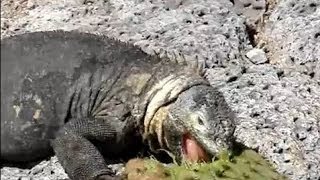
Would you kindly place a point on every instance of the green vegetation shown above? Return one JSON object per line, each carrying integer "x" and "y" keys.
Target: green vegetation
{"x": 245, "y": 164}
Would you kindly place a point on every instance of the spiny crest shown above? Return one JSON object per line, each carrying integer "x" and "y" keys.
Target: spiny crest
{"x": 192, "y": 62}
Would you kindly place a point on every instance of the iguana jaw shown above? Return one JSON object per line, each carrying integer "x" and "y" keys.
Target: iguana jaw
{"x": 201, "y": 116}
{"x": 192, "y": 150}
{"x": 202, "y": 148}
{"x": 163, "y": 93}
{"x": 189, "y": 148}
{"x": 173, "y": 108}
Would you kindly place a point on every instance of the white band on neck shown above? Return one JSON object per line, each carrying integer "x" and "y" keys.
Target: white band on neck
{"x": 162, "y": 93}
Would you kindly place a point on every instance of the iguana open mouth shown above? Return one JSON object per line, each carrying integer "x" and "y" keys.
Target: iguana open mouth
{"x": 192, "y": 150}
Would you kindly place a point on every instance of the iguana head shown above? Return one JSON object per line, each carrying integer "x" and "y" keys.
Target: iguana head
{"x": 199, "y": 124}
{"x": 188, "y": 117}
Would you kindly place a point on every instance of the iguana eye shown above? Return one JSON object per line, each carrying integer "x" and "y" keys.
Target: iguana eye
{"x": 200, "y": 121}
{"x": 199, "y": 118}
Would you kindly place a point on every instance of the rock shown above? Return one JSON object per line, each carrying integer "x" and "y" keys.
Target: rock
{"x": 253, "y": 10}
{"x": 257, "y": 56}
{"x": 50, "y": 169}
{"x": 208, "y": 29}
{"x": 293, "y": 30}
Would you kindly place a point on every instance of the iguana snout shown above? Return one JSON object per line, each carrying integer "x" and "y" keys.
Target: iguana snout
{"x": 199, "y": 124}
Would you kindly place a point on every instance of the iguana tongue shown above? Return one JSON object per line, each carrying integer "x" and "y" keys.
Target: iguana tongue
{"x": 192, "y": 150}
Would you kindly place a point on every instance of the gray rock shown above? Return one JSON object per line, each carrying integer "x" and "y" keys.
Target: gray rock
{"x": 253, "y": 10}
{"x": 152, "y": 25}
{"x": 294, "y": 32}
{"x": 272, "y": 111}
{"x": 45, "y": 170}
{"x": 257, "y": 56}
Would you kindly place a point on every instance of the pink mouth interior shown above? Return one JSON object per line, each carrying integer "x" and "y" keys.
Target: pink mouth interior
{"x": 192, "y": 151}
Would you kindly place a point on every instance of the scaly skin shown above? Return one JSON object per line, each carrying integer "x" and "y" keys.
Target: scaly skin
{"x": 90, "y": 99}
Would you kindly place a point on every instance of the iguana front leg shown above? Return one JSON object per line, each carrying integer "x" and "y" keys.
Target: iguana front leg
{"x": 78, "y": 155}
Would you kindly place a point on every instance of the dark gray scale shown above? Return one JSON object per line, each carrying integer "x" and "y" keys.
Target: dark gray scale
{"x": 80, "y": 96}
{"x": 49, "y": 78}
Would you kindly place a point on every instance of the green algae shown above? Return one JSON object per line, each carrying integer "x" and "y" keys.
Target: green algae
{"x": 243, "y": 165}
{"x": 246, "y": 165}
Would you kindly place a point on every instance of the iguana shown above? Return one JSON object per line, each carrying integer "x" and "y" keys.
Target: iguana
{"x": 90, "y": 99}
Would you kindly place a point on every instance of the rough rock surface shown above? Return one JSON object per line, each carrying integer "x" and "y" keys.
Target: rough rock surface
{"x": 50, "y": 169}
{"x": 206, "y": 28}
{"x": 277, "y": 101}
{"x": 293, "y": 42}
{"x": 251, "y": 9}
